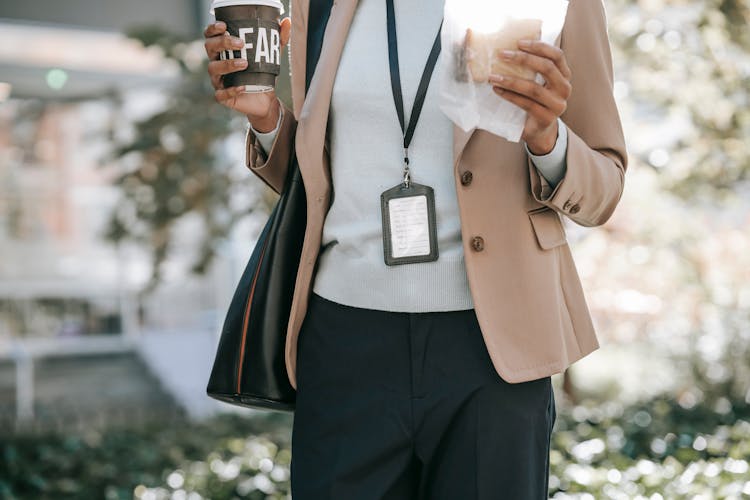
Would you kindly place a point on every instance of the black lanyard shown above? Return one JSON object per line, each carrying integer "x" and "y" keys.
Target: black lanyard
{"x": 398, "y": 98}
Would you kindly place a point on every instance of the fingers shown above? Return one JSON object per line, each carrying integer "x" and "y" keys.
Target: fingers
{"x": 529, "y": 95}
{"x": 545, "y": 102}
{"x": 218, "y": 39}
{"x": 216, "y": 69}
{"x": 551, "y": 52}
{"x": 213, "y": 29}
{"x": 226, "y": 96}
{"x": 532, "y": 90}
{"x": 544, "y": 65}
{"x": 217, "y": 43}
{"x": 542, "y": 114}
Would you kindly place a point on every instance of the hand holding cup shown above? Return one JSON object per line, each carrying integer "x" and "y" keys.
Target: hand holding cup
{"x": 261, "y": 107}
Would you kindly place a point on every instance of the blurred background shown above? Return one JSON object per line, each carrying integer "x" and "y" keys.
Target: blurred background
{"x": 127, "y": 216}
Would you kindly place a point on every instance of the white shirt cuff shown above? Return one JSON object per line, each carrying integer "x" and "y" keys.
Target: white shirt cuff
{"x": 266, "y": 138}
{"x": 553, "y": 164}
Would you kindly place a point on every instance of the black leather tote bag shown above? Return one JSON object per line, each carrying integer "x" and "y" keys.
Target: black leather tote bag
{"x": 249, "y": 368}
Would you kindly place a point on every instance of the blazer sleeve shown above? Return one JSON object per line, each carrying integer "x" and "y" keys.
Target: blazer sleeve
{"x": 596, "y": 156}
{"x": 272, "y": 166}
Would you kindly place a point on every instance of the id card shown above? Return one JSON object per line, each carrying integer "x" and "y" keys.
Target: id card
{"x": 409, "y": 226}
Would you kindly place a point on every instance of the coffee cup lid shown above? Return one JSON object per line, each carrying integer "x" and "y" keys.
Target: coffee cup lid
{"x": 226, "y": 3}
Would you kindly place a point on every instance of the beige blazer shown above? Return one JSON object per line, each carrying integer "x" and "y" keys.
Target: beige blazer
{"x": 526, "y": 290}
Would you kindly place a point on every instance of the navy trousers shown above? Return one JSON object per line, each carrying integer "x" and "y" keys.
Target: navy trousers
{"x": 394, "y": 405}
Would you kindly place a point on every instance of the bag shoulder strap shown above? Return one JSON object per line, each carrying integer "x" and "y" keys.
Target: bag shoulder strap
{"x": 317, "y": 19}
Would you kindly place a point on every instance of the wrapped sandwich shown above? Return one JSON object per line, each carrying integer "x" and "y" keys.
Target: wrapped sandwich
{"x": 482, "y": 50}
{"x": 474, "y": 34}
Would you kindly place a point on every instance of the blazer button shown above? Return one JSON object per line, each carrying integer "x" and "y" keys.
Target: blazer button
{"x": 467, "y": 177}
{"x": 566, "y": 205}
{"x": 574, "y": 209}
{"x": 477, "y": 243}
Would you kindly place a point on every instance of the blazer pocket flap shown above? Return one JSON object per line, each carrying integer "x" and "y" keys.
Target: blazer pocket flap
{"x": 548, "y": 227}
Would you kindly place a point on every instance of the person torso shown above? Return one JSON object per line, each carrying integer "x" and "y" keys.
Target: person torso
{"x": 366, "y": 156}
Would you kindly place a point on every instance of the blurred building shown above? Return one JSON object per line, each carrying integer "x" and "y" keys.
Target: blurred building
{"x": 64, "y": 290}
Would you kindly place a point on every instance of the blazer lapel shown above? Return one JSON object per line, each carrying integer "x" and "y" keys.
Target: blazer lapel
{"x": 313, "y": 119}
{"x": 460, "y": 140}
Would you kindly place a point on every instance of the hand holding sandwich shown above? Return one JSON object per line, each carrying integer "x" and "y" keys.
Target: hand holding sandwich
{"x": 543, "y": 103}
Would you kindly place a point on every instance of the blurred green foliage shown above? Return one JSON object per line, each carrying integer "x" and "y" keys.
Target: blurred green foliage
{"x": 112, "y": 464}
{"x": 605, "y": 450}
{"x": 662, "y": 445}
{"x": 684, "y": 67}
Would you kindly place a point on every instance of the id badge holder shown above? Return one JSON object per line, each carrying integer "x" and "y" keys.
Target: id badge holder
{"x": 409, "y": 226}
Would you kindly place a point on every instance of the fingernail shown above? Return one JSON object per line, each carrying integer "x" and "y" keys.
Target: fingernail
{"x": 236, "y": 42}
{"x": 524, "y": 43}
{"x": 507, "y": 53}
{"x": 497, "y": 78}
{"x": 239, "y": 62}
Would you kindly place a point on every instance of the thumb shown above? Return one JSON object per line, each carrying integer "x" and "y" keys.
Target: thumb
{"x": 285, "y": 28}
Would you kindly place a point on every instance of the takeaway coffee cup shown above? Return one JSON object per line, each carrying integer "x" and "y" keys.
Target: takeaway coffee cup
{"x": 256, "y": 22}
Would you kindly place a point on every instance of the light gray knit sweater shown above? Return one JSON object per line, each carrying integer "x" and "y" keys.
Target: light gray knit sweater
{"x": 362, "y": 122}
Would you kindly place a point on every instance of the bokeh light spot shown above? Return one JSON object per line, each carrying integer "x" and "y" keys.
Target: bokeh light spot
{"x": 56, "y": 78}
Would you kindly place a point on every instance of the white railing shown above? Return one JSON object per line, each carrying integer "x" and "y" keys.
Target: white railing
{"x": 23, "y": 352}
